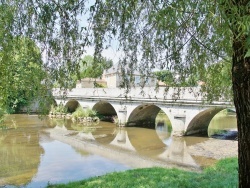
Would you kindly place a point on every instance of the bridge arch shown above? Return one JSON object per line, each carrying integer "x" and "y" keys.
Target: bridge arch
{"x": 105, "y": 109}
{"x": 199, "y": 124}
{"x": 144, "y": 115}
{"x": 72, "y": 105}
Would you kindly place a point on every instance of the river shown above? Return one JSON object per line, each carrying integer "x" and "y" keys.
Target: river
{"x": 34, "y": 151}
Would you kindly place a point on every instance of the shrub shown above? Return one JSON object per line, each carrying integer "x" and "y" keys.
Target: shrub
{"x": 58, "y": 109}
{"x": 91, "y": 113}
{"x": 81, "y": 113}
{"x": 78, "y": 113}
{"x": 2, "y": 118}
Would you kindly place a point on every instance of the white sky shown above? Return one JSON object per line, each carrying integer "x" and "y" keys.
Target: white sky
{"x": 109, "y": 53}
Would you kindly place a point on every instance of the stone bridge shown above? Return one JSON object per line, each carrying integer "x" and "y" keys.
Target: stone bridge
{"x": 185, "y": 107}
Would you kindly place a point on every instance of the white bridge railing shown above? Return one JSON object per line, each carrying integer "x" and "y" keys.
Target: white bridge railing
{"x": 181, "y": 95}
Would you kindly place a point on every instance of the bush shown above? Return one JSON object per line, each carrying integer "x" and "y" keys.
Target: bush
{"x": 2, "y": 113}
{"x": 78, "y": 113}
{"x": 58, "y": 109}
{"x": 91, "y": 113}
{"x": 81, "y": 113}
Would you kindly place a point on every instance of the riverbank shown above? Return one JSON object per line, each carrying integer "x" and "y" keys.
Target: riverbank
{"x": 215, "y": 149}
{"x": 223, "y": 174}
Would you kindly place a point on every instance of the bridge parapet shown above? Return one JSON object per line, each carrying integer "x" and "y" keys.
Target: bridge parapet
{"x": 147, "y": 94}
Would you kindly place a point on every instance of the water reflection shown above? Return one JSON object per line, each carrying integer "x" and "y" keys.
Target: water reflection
{"x": 154, "y": 144}
{"x": 163, "y": 128}
{"x": 29, "y": 156}
{"x": 63, "y": 163}
{"x": 19, "y": 152}
{"x": 157, "y": 144}
{"x": 223, "y": 125}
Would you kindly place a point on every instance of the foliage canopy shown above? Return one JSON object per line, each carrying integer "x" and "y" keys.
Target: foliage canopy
{"x": 184, "y": 36}
{"x": 89, "y": 69}
{"x": 21, "y": 74}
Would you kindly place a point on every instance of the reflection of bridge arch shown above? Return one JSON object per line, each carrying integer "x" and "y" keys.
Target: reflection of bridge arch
{"x": 139, "y": 140}
{"x": 121, "y": 140}
{"x": 105, "y": 133}
{"x": 177, "y": 152}
{"x": 144, "y": 116}
{"x": 199, "y": 124}
{"x": 145, "y": 140}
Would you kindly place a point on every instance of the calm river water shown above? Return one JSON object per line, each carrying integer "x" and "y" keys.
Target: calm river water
{"x": 31, "y": 157}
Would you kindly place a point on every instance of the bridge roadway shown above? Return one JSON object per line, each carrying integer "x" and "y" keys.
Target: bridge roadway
{"x": 185, "y": 107}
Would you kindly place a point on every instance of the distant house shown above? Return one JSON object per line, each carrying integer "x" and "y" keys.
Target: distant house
{"x": 161, "y": 84}
{"x": 113, "y": 77}
{"x": 91, "y": 83}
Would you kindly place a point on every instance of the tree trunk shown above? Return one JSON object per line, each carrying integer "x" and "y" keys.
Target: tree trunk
{"x": 241, "y": 90}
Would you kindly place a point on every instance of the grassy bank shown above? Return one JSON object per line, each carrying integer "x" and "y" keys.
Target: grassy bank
{"x": 223, "y": 174}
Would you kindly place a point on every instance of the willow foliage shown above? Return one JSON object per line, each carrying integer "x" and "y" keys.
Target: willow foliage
{"x": 187, "y": 37}
{"x": 40, "y": 43}
{"x": 21, "y": 66}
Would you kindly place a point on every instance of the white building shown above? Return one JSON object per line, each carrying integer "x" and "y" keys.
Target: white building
{"x": 113, "y": 77}
{"x": 91, "y": 83}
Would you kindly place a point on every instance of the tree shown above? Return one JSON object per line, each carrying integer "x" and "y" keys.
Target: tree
{"x": 94, "y": 69}
{"x": 2, "y": 113}
{"x": 88, "y": 68}
{"x": 218, "y": 80}
{"x": 23, "y": 76}
{"x": 185, "y": 37}
{"x": 21, "y": 66}
{"x": 165, "y": 76}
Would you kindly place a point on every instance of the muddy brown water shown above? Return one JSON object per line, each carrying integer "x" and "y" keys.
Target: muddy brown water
{"x": 35, "y": 152}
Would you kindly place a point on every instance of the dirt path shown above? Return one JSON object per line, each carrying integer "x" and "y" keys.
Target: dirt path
{"x": 215, "y": 148}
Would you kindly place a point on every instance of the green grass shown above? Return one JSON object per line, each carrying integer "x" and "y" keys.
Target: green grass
{"x": 223, "y": 174}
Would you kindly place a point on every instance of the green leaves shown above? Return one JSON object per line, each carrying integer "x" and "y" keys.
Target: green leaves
{"x": 93, "y": 68}
{"x": 218, "y": 81}
{"x": 247, "y": 54}
{"x": 166, "y": 35}
{"x": 22, "y": 75}
{"x": 165, "y": 76}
